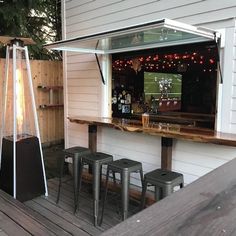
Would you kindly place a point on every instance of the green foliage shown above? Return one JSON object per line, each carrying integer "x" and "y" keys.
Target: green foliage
{"x": 38, "y": 19}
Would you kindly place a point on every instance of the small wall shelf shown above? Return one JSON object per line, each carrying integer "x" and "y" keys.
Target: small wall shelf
{"x": 45, "y": 106}
{"x": 55, "y": 96}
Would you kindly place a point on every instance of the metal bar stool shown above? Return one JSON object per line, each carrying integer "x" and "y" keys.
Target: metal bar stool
{"x": 164, "y": 182}
{"x": 124, "y": 167}
{"x": 95, "y": 160}
{"x": 75, "y": 153}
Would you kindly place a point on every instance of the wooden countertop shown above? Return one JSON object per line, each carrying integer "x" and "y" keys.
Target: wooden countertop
{"x": 205, "y": 207}
{"x": 177, "y": 131}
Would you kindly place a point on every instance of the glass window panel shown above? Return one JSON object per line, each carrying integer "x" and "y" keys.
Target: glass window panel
{"x": 153, "y": 34}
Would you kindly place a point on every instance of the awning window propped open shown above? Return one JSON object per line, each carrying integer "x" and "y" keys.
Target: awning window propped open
{"x": 160, "y": 33}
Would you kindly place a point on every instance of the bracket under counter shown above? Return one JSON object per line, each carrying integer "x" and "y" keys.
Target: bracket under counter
{"x": 166, "y": 147}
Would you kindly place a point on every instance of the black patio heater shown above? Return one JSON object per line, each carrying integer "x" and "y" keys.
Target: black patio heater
{"x": 22, "y": 172}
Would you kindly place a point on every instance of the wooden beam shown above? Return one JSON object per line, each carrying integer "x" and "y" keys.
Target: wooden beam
{"x": 166, "y": 153}
{"x": 92, "y": 129}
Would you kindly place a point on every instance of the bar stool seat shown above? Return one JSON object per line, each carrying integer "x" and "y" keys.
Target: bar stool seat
{"x": 124, "y": 167}
{"x": 95, "y": 160}
{"x": 75, "y": 153}
{"x": 164, "y": 182}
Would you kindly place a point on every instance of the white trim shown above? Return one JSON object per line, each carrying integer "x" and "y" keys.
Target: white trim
{"x": 219, "y": 86}
{"x": 65, "y": 89}
{"x": 14, "y": 120}
{"x": 219, "y": 108}
{"x": 203, "y": 34}
{"x": 227, "y": 73}
{"x": 105, "y": 90}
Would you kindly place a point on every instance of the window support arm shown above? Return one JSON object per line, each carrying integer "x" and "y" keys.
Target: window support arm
{"x": 100, "y": 70}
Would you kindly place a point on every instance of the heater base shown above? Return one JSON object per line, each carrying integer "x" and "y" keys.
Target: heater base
{"x": 29, "y": 170}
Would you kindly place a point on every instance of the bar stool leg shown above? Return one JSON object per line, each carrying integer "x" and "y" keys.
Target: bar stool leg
{"x": 80, "y": 170}
{"x": 76, "y": 166}
{"x": 60, "y": 176}
{"x": 142, "y": 183}
{"x": 157, "y": 193}
{"x": 96, "y": 190}
{"x": 125, "y": 193}
{"x": 167, "y": 190}
{"x": 144, "y": 189}
{"x": 141, "y": 176}
{"x": 114, "y": 177}
{"x": 105, "y": 195}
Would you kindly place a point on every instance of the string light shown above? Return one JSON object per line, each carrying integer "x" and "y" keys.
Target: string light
{"x": 154, "y": 62}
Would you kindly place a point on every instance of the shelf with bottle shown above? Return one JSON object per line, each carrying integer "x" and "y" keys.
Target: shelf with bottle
{"x": 121, "y": 101}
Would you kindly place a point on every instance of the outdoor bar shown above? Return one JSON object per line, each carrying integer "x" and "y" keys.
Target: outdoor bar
{"x": 161, "y": 81}
{"x": 163, "y": 70}
{"x": 149, "y": 91}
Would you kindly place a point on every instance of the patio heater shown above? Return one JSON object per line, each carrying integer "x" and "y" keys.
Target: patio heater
{"x": 22, "y": 172}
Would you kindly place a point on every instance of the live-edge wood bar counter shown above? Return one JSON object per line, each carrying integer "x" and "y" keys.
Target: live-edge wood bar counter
{"x": 167, "y": 132}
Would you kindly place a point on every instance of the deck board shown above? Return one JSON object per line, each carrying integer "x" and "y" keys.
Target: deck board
{"x": 42, "y": 216}
{"x": 16, "y": 219}
{"x": 85, "y": 204}
{"x": 61, "y": 215}
{"x": 57, "y": 219}
{"x": 9, "y": 227}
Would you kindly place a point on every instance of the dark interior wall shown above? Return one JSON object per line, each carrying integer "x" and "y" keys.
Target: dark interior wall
{"x": 196, "y": 62}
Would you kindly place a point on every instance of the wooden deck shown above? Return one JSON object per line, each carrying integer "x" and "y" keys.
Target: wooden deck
{"x": 42, "y": 216}
{"x": 205, "y": 207}
{"x": 60, "y": 216}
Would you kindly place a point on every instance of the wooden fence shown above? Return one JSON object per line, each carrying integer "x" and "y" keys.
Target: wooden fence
{"x": 51, "y": 119}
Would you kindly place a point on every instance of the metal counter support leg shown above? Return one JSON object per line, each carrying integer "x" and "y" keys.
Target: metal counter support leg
{"x": 96, "y": 191}
{"x": 125, "y": 193}
{"x": 166, "y": 153}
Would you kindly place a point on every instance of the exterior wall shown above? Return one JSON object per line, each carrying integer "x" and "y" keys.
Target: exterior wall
{"x": 84, "y": 87}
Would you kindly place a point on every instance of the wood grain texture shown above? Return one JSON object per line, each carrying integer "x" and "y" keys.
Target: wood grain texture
{"x": 175, "y": 131}
{"x": 44, "y": 73}
{"x": 17, "y": 220}
{"x": 205, "y": 207}
{"x": 166, "y": 153}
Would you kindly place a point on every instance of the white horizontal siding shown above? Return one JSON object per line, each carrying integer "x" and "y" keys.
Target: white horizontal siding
{"x": 191, "y": 159}
{"x": 128, "y": 12}
{"x": 233, "y": 101}
{"x": 84, "y": 82}
{"x": 72, "y": 4}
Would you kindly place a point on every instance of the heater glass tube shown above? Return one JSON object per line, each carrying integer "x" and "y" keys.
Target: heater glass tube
{"x": 20, "y": 98}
